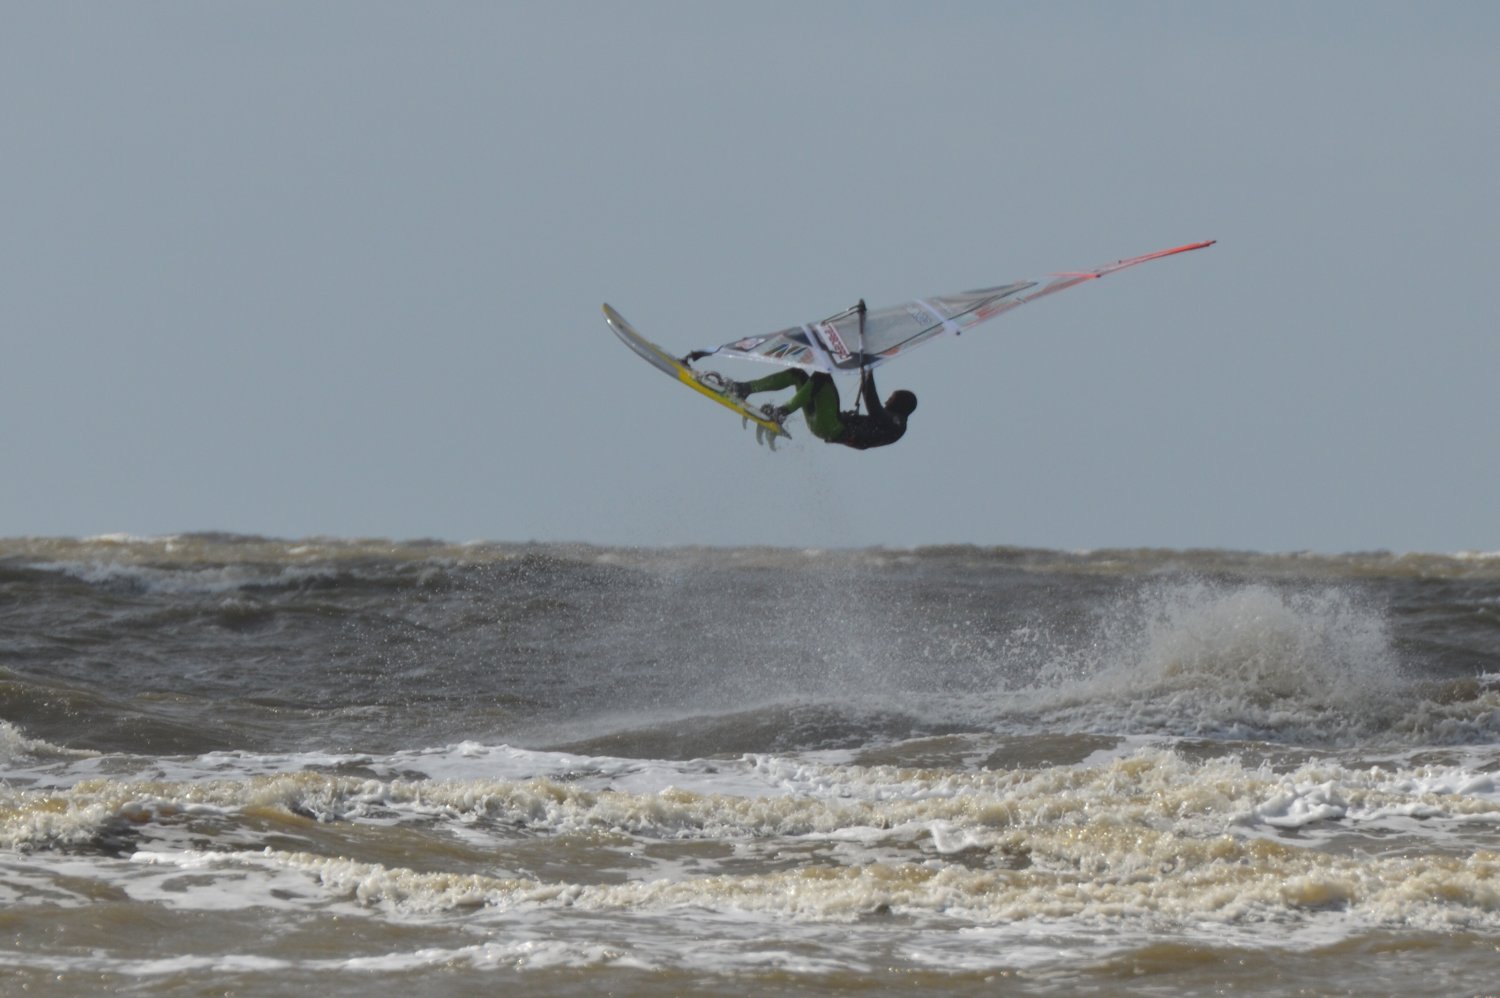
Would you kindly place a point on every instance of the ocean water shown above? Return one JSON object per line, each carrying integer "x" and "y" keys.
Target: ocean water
{"x": 234, "y": 765}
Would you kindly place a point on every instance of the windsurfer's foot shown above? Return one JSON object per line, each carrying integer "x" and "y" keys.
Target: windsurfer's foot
{"x": 727, "y": 387}
{"x": 716, "y": 381}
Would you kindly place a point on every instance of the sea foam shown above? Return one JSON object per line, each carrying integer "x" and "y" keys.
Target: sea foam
{"x": 1219, "y": 660}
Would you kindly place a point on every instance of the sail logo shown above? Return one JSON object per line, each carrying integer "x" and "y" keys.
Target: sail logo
{"x": 834, "y": 341}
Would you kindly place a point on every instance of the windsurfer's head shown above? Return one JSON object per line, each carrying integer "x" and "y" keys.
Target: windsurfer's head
{"x": 902, "y": 401}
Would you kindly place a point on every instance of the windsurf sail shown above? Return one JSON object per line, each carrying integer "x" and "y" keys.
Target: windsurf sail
{"x": 838, "y": 343}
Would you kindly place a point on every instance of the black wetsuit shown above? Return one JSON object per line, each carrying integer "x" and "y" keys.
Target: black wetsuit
{"x": 818, "y": 397}
{"x": 876, "y": 427}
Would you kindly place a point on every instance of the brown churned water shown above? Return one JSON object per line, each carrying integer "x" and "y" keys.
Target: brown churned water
{"x": 238, "y": 765}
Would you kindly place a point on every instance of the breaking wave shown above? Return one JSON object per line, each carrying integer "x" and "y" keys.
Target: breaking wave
{"x": 1200, "y": 659}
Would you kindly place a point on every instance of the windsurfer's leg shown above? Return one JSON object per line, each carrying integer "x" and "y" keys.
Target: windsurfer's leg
{"x": 822, "y": 407}
{"x": 790, "y": 377}
{"x": 817, "y": 396}
{"x": 805, "y": 388}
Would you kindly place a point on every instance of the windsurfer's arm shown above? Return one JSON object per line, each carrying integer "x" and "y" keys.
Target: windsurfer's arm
{"x": 870, "y": 395}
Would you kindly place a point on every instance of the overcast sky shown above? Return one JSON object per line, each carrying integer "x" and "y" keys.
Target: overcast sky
{"x": 335, "y": 268}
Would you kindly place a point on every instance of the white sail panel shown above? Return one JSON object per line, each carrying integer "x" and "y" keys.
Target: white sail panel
{"x": 845, "y": 343}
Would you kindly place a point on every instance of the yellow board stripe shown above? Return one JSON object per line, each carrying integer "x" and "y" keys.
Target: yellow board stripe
{"x": 664, "y": 361}
{"x": 686, "y": 377}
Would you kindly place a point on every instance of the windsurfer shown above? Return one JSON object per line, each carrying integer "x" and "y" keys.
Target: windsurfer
{"x": 818, "y": 397}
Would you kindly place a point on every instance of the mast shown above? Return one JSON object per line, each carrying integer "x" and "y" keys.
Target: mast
{"x": 860, "y": 396}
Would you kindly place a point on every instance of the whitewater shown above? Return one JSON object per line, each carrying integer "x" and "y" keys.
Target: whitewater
{"x": 255, "y": 766}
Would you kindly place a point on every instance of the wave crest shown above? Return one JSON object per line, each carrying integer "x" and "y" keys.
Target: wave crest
{"x": 1205, "y": 659}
